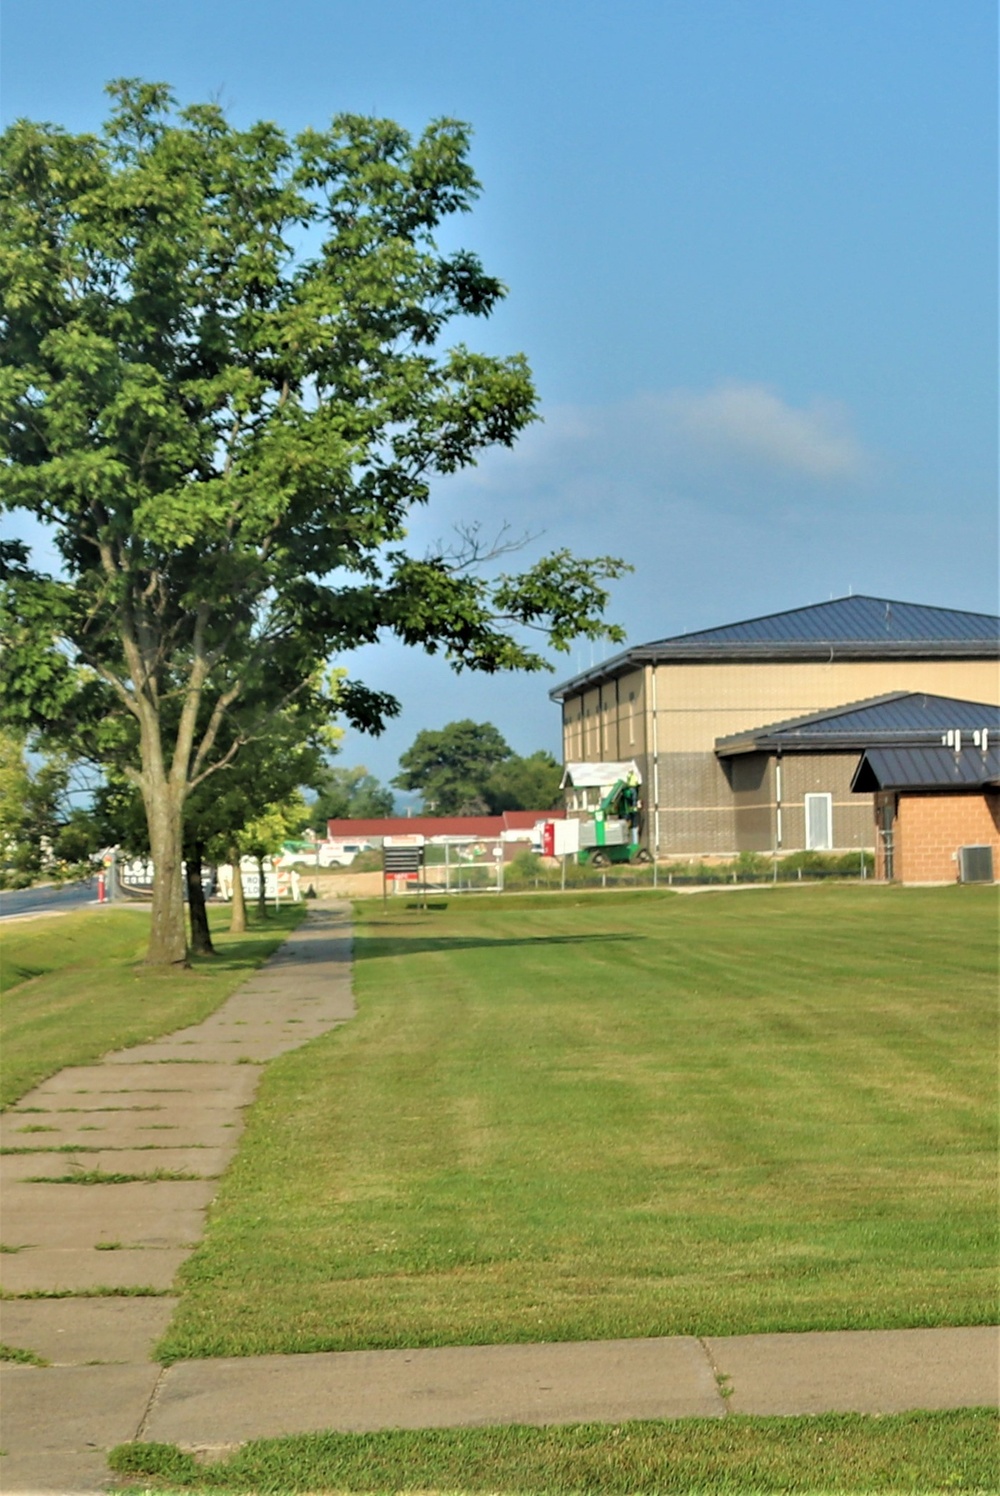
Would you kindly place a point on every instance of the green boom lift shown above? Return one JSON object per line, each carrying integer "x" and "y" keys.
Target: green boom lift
{"x": 609, "y": 828}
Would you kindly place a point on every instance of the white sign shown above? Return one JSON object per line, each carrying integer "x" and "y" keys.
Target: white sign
{"x": 566, "y": 838}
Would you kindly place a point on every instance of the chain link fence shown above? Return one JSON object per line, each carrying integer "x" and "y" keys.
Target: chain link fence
{"x": 486, "y": 866}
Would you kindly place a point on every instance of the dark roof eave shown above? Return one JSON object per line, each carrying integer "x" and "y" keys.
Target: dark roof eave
{"x": 870, "y": 784}
{"x": 757, "y": 652}
{"x": 828, "y": 742}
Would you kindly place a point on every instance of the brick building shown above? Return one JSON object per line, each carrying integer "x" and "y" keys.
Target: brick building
{"x": 679, "y": 706}
{"x": 930, "y": 803}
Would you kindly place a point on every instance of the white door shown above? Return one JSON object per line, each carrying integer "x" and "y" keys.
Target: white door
{"x": 819, "y": 823}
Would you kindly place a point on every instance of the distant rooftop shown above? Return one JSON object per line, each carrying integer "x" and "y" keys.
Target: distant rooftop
{"x": 900, "y": 717}
{"x": 376, "y": 828}
{"x": 855, "y": 627}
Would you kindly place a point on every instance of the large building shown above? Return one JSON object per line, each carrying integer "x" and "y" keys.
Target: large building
{"x": 732, "y": 728}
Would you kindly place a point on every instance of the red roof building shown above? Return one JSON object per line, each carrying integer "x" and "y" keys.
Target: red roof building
{"x": 481, "y": 827}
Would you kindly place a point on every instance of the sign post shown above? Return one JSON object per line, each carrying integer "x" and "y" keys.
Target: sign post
{"x": 402, "y": 857}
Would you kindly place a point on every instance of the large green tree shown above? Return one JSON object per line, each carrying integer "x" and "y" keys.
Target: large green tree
{"x": 221, "y": 386}
{"x": 450, "y": 766}
{"x": 467, "y": 768}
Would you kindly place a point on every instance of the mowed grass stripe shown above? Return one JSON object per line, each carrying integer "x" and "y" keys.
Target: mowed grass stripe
{"x": 623, "y": 1116}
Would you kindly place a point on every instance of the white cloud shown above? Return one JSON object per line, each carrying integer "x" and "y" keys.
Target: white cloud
{"x": 751, "y": 423}
{"x": 735, "y": 448}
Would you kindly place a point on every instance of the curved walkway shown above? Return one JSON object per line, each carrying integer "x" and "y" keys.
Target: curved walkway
{"x": 174, "y": 1108}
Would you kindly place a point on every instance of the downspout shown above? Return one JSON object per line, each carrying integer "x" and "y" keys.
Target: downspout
{"x": 777, "y": 797}
{"x": 656, "y": 769}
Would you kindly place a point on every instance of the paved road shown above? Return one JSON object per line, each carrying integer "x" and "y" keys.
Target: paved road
{"x": 43, "y": 900}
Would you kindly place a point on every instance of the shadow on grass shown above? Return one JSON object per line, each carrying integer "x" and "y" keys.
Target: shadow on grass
{"x": 244, "y": 952}
{"x": 367, "y": 948}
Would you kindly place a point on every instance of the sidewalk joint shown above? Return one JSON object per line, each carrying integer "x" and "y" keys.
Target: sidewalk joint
{"x": 723, "y": 1381}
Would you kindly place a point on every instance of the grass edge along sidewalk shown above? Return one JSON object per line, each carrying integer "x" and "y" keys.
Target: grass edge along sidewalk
{"x": 837, "y": 1454}
{"x": 75, "y": 988}
{"x": 772, "y": 1083}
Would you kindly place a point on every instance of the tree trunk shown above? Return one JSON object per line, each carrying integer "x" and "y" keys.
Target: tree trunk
{"x": 261, "y": 891}
{"x": 238, "y": 922}
{"x": 201, "y": 939}
{"x": 167, "y": 939}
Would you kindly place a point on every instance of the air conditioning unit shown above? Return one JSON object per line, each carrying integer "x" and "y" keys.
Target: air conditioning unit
{"x": 975, "y": 864}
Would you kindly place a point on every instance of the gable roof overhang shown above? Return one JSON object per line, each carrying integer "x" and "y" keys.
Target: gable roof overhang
{"x": 898, "y": 718}
{"x": 926, "y": 769}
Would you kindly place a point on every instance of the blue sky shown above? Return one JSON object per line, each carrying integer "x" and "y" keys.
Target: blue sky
{"x": 751, "y": 253}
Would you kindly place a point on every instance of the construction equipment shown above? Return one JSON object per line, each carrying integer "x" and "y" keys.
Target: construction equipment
{"x": 606, "y": 799}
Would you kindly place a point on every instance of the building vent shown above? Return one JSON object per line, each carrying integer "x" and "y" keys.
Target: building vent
{"x": 975, "y": 864}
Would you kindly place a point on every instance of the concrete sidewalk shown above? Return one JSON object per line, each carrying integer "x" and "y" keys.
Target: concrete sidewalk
{"x": 176, "y": 1105}
{"x": 58, "y": 1420}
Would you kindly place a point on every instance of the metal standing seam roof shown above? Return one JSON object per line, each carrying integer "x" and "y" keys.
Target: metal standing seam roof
{"x": 899, "y": 716}
{"x": 851, "y": 627}
{"x": 869, "y": 619}
{"x": 926, "y": 768}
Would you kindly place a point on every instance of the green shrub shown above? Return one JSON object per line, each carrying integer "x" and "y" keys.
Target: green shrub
{"x": 752, "y": 866}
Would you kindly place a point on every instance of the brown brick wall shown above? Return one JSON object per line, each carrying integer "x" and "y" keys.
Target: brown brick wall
{"x": 929, "y": 830}
{"x": 824, "y": 773}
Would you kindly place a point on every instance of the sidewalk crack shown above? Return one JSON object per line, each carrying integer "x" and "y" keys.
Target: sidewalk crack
{"x": 723, "y": 1381}
{"x": 148, "y": 1410}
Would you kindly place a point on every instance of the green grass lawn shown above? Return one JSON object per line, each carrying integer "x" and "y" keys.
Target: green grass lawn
{"x": 73, "y": 987}
{"x": 836, "y": 1454}
{"x": 630, "y": 1115}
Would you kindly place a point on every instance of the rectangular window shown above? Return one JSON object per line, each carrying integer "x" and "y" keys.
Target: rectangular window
{"x": 819, "y": 823}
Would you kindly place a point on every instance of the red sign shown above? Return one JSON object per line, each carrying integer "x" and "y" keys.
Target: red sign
{"x": 549, "y": 839}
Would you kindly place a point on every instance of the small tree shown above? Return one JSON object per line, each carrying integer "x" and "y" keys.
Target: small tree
{"x": 264, "y": 835}
{"x": 222, "y": 389}
{"x": 40, "y": 829}
{"x": 349, "y": 794}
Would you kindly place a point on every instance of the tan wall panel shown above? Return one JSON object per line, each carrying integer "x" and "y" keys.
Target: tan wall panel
{"x": 606, "y": 722}
{"x": 698, "y": 703}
